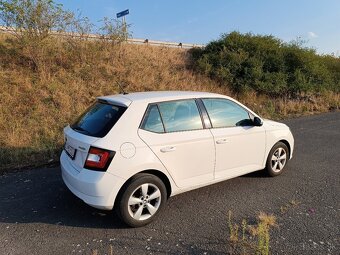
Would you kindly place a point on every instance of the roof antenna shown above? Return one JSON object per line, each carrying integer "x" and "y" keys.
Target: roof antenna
{"x": 121, "y": 89}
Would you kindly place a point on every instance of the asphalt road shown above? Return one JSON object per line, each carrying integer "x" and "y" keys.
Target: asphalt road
{"x": 38, "y": 215}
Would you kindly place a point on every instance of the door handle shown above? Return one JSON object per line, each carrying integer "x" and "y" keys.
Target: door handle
{"x": 222, "y": 141}
{"x": 168, "y": 149}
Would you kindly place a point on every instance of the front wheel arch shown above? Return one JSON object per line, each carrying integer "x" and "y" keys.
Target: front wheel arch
{"x": 288, "y": 146}
{"x": 268, "y": 167}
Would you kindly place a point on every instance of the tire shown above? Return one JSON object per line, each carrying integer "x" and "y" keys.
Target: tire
{"x": 277, "y": 159}
{"x": 141, "y": 200}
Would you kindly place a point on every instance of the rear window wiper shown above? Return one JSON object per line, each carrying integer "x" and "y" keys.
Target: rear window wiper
{"x": 80, "y": 129}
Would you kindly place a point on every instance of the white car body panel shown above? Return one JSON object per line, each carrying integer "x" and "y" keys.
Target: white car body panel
{"x": 198, "y": 158}
{"x": 97, "y": 189}
{"x": 82, "y": 143}
{"x": 186, "y": 168}
{"x": 239, "y": 150}
{"x": 275, "y": 132}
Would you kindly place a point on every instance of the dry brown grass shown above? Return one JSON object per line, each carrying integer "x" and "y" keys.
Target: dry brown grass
{"x": 38, "y": 101}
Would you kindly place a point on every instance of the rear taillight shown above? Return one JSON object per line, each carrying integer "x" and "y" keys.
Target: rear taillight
{"x": 98, "y": 159}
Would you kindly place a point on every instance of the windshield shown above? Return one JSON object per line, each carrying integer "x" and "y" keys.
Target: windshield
{"x": 98, "y": 119}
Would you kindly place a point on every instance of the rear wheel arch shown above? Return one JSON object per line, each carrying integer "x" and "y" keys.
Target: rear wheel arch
{"x": 163, "y": 178}
{"x": 154, "y": 172}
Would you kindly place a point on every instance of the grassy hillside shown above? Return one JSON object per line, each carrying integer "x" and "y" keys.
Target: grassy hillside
{"x": 44, "y": 88}
{"x": 38, "y": 101}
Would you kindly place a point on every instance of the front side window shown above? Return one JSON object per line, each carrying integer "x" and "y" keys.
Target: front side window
{"x": 225, "y": 113}
{"x": 98, "y": 119}
{"x": 152, "y": 120}
{"x": 182, "y": 115}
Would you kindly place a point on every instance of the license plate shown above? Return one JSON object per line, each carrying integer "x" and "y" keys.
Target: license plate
{"x": 70, "y": 151}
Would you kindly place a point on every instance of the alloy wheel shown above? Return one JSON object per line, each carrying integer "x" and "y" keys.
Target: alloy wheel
{"x": 144, "y": 201}
{"x": 279, "y": 159}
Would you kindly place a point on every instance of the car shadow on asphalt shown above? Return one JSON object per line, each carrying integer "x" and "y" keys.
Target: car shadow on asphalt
{"x": 257, "y": 174}
{"x": 40, "y": 196}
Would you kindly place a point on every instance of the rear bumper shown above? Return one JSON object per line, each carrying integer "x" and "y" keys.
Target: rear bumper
{"x": 97, "y": 189}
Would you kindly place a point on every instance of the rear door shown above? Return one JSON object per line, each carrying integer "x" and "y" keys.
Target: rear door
{"x": 175, "y": 133}
{"x": 76, "y": 147}
{"x": 240, "y": 146}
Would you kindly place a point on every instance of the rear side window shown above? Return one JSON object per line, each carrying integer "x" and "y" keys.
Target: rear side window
{"x": 225, "y": 113}
{"x": 152, "y": 120}
{"x": 98, "y": 119}
{"x": 182, "y": 115}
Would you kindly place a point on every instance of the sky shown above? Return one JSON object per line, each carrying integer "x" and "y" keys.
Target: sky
{"x": 201, "y": 21}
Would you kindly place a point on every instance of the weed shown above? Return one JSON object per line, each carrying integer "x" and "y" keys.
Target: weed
{"x": 254, "y": 239}
{"x": 292, "y": 204}
{"x": 95, "y": 252}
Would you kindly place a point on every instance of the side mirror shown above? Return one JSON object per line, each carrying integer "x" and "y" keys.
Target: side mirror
{"x": 257, "y": 122}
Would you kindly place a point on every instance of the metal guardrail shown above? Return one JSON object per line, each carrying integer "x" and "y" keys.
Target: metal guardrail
{"x": 129, "y": 40}
{"x": 165, "y": 44}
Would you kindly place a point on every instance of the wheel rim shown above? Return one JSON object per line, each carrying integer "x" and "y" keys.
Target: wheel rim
{"x": 144, "y": 201}
{"x": 279, "y": 159}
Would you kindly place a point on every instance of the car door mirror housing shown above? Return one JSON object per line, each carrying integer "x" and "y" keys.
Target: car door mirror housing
{"x": 257, "y": 122}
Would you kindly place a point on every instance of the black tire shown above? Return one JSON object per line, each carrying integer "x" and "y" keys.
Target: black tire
{"x": 272, "y": 169}
{"x": 134, "y": 187}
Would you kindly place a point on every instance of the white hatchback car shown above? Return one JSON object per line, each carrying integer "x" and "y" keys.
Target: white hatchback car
{"x": 133, "y": 151}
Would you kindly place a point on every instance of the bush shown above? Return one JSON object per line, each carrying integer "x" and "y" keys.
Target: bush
{"x": 267, "y": 65}
{"x": 34, "y": 19}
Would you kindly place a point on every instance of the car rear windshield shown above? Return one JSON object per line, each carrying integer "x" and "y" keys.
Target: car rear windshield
{"x": 98, "y": 119}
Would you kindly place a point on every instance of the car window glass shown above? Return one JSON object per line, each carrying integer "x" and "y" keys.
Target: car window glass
{"x": 98, "y": 119}
{"x": 225, "y": 113}
{"x": 152, "y": 121}
{"x": 180, "y": 115}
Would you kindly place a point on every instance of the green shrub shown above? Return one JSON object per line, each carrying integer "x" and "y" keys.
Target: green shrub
{"x": 267, "y": 65}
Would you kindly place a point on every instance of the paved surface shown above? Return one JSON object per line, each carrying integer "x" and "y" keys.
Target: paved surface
{"x": 38, "y": 215}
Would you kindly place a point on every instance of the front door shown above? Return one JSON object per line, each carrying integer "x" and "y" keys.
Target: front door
{"x": 240, "y": 146}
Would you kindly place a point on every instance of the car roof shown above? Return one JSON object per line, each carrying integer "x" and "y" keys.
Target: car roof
{"x": 156, "y": 96}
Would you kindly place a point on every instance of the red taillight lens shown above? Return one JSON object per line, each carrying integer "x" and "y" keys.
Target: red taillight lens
{"x": 98, "y": 159}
